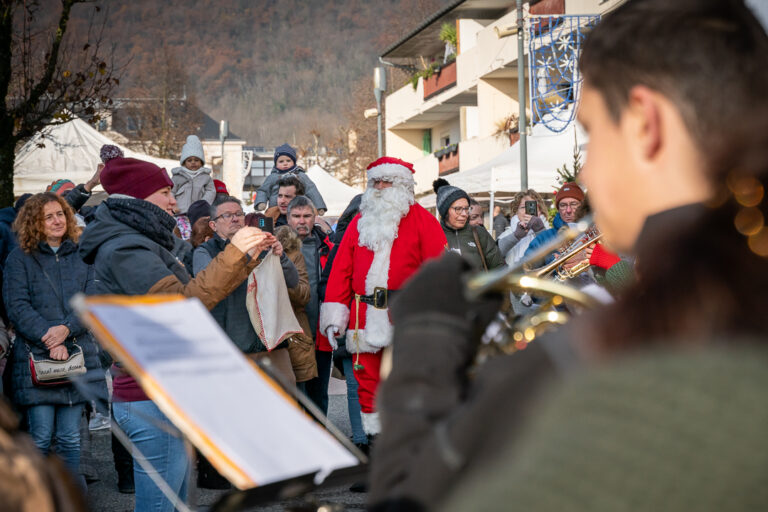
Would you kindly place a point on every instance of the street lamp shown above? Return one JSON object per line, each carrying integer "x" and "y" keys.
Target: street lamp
{"x": 223, "y": 132}
{"x": 379, "y": 86}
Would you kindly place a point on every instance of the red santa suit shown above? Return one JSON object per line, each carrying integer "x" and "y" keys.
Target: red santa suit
{"x": 377, "y": 251}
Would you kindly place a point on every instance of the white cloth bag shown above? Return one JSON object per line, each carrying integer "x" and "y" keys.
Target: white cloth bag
{"x": 269, "y": 305}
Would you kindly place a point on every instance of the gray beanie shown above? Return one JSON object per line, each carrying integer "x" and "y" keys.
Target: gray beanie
{"x": 193, "y": 147}
{"x": 446, "y": 195}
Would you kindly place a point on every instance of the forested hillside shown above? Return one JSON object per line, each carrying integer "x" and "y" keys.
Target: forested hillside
{"x": 277, "y": 69}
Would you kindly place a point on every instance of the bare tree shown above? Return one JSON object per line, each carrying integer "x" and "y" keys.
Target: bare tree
{"x": 44, "y": 79}
{"x": 165, "y": 111}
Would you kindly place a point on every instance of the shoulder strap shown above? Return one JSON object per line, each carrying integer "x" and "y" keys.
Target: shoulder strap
{"x": 50, "y": 281}
{"x": 479, "y": 248}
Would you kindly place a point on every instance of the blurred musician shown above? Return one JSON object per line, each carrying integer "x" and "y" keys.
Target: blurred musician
{"x": 674, "y": 101}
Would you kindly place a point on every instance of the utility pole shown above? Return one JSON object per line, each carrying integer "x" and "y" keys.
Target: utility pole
{"x": 521, "y": 97}
{"x": 223, "y": 132}
{"x": 379, "y": 86}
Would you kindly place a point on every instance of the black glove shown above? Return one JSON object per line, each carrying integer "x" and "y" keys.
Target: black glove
{"x": 536, "y": 224}
{"x": 520, "y": 231}
{"x": 439, "y": 288}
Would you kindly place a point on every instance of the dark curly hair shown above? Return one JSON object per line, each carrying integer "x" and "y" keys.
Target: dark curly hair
{"x": 30, "y": 223}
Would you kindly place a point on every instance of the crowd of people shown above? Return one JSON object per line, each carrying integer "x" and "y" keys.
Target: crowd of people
{"x": 671, "y": 196}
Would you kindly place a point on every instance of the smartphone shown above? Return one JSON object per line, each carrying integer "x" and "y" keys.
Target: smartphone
{"x": 531, "y": 208}
{"x": 265, "y": 224}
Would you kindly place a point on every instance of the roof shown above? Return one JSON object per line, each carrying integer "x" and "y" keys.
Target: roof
{"x": 424, "y": 40}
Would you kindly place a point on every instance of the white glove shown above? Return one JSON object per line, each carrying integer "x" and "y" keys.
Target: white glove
{"x": 331, "y": 334}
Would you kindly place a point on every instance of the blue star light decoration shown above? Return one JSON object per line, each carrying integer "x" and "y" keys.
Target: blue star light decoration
{"x": 553, "y": 63}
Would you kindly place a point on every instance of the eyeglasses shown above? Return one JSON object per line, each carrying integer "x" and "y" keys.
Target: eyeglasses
{"x": 228, "y": 216}
{"x": 564, "y": 206}
{"x": 460, "y": 209}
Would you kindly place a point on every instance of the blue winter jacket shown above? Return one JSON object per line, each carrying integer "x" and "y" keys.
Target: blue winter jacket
{"x": 33, "y": 307}
{"x": 544, "y": 237}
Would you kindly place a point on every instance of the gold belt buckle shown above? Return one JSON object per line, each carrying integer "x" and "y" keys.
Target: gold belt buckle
{"x": 378, "y": 292}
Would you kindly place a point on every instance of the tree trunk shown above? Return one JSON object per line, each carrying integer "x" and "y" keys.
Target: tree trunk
{"x": 7, "y": 157}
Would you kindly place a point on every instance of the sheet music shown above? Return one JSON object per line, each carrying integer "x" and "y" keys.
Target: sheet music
{"x": 247, "y": 426}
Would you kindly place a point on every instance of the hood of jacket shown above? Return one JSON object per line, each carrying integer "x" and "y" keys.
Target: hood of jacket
{"x": 184, "y": 173}
{"x": 352, "y": 209}
{"x": 117, "y": 217}
{"x": 288, "y": 238}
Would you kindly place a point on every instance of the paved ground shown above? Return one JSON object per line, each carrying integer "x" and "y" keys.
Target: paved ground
{"x": 103, "y": 495}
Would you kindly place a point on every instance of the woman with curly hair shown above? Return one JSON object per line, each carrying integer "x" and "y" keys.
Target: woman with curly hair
{"x": 41, "y": 275}
{"x": 523, "y": 226}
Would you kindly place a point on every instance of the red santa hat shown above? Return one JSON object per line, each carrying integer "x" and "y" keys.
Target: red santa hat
{"x": 388, "y": 168}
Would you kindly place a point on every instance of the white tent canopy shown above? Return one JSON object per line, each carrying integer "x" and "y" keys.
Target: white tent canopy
{"x": 336, "y": 194}
{"x": 71, "y": 151}
{"x": 546, "y": 154}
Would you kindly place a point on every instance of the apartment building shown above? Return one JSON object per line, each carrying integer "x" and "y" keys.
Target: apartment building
{"x": 463, "y": 115}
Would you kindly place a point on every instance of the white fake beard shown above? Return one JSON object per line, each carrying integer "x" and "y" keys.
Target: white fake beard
{"x": 380, "y": 214}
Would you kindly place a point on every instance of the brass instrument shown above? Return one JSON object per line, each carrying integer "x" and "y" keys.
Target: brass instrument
{"x": 563, "y": 274}
{"x": 509, "y": 332}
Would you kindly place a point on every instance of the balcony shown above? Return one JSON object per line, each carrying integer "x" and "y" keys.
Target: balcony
{"x": 443, "y": 79}
{"x": 448, "y": 159}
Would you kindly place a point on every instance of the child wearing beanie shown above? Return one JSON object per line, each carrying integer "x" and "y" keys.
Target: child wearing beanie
{"x": 192, "y": 181}
{"x": 285, "y": 163}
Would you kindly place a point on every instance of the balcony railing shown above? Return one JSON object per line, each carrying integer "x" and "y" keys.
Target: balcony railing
{"x": 443, "y": 79}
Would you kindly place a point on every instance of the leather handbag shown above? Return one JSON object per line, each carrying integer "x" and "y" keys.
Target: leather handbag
{"x": 52, "y": 372}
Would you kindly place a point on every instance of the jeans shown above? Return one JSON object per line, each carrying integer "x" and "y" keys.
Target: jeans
{"x": 353, "y": 403}
{"x": 62, "y": 421}
{"x": 164, "y": 451}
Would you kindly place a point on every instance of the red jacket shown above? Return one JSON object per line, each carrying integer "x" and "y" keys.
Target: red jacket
{"x": 419, "y": 238}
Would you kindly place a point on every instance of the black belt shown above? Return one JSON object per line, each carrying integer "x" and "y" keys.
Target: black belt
{"x": 379, "y": 298}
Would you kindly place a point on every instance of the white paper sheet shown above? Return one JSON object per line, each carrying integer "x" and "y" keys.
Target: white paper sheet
{"x": 210, "y": 390}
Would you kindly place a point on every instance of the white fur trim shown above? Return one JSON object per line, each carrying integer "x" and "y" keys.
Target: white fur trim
{"x": 384, "y": 171}
{"x": 371, "y": 423}
{"x": 378, "y": 330}
{"x": 360, "y": 345}
{"x": 334, "y": 314}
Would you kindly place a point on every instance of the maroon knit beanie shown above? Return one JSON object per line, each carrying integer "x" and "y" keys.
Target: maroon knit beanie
{"x": 571, "y": 190}
{"x": 133, "y": 177}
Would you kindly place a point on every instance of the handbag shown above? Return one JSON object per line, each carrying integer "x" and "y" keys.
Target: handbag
{"x": 52, "y": 372}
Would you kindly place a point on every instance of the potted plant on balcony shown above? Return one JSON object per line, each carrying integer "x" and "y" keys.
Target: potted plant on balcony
{"x": 446, "y": 150}
{"x": 508, "y": 127}
{"x": 450, "y": 37}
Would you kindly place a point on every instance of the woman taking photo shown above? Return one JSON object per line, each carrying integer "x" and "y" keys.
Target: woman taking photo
{"x": 474, "y": 243}
{"x": 41, "y": 275}
{"x": 523, "y": 226}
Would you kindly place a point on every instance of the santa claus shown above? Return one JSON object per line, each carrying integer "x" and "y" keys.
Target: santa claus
{"x": 383, "y": 246}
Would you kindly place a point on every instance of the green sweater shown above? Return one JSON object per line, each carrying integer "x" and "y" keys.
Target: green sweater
{"x": 663, "y": 431}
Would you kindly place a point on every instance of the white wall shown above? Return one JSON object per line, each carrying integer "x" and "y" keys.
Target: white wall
{"x": 426, "y": 170}
{"x": 405, "y": 144}
{"x": 470, "y": 122}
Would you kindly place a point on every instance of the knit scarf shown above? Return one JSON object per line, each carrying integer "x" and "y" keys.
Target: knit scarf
{"x": 145, "y": 217}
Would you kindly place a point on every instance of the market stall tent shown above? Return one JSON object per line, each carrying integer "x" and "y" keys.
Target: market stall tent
{"x": 66, "y": 151}
{"x": 336, "y": 194}
{"x": 546, "y": 154}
